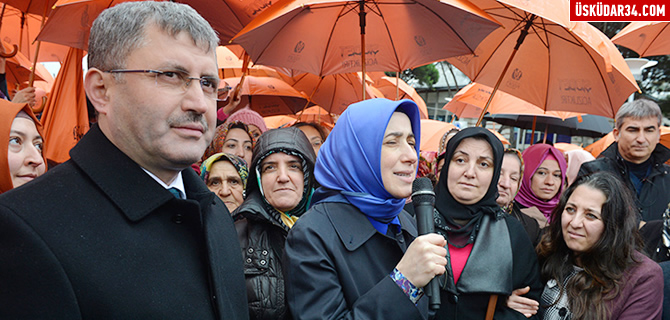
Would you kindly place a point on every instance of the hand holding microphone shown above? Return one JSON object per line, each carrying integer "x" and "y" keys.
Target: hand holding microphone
{"x": 425, "y": 257}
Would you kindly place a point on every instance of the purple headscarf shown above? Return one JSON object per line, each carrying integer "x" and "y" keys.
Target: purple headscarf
{"x": 533, "y": 157}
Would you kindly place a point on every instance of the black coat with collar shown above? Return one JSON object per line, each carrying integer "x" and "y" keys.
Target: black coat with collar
{"x": 337, "y": 266}
{"x": 98, "y": 238}
{"x": 655, "y": 193}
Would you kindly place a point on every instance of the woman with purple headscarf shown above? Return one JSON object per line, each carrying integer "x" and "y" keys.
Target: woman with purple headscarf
{"x": 543, "y": 182}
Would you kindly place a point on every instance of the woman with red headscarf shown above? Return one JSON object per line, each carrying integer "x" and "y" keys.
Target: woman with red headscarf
{"x": 543, "y": 181}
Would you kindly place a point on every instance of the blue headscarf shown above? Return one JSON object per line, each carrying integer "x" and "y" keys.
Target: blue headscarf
{"x": 349, "y": 162}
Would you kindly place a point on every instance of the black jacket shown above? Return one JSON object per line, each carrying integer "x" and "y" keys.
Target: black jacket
{"x": 337, "y": 266}
{"x": 98, "y": 238}
{"x": 262, "y": 240}
{"x": 261, "y": 231}
{"x": 529, "y": 224}
{"x": 655, "y": 193}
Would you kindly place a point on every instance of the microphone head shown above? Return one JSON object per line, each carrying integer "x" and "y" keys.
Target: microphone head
{"x": 422, "y": 191}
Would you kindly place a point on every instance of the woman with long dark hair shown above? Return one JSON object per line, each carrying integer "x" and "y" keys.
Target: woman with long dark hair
{"x": 590, "y": 258}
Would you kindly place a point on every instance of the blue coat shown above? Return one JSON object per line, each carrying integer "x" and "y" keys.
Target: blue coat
{"x": 98, "y": 238}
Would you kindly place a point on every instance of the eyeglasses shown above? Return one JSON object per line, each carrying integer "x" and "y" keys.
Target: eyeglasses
{"x": 174, "y": 80}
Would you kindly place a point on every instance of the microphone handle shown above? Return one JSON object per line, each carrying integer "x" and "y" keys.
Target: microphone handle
{"x": 425, "y": 225}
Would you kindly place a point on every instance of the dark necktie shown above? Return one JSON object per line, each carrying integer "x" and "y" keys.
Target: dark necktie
{"x": 175, "y": 192}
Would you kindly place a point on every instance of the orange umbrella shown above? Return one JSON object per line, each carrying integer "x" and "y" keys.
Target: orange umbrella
{"x": 285, "y": 35}
{"x": 274, "y": 122}
{"x": 471, "y": 100}
{"x": 38, "y": 7}
{"x": 231, "y": 65}
{"x": 387, "y": 86}
{"x": 334, "y": 92}
{"x": 543, "y": 58}
{"x": 645, "y": 38}
{"x": 433, "y": 130}
{"x": 18, "y": 69}
{"x": 70, "y": 22}
{"x": 269, "y": 96}
{"x": 315, "y": 114}
{"x": 431, "y": 133}
{"x": 65, "y": 117}
{"x": 21, "y": 29}
{"x": 599, "y": 146}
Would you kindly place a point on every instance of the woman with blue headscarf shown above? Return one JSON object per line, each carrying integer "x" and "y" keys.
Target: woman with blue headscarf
{"x": 355, "y": 252}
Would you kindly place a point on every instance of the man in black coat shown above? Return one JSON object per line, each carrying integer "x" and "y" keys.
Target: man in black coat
{"x": 638, "y": 159}
{"x": 125, "y": 229}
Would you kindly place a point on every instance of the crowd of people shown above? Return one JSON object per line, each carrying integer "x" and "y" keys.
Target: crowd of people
{"x": 160, "y": 213}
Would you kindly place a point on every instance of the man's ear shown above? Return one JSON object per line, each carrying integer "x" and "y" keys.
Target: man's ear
{"x": 96, "y": 87}
{"x": 615, "y": 133}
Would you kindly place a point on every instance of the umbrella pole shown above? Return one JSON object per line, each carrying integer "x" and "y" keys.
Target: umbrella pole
{"x": 397, "y": 82}
{"x": 532, "y": 139}
{"x": 546, "y": 129}
{"x": 361, "y": 22}
{"x": 519, "y": 41}
{"x": 236, "y": 91}
{"x": 31, "y": 79}
{"x": 310, "y": 97}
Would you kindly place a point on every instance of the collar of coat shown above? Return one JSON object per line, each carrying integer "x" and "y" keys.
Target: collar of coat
{"x": 133, "y": 191}
{"x": 353, "y": 227}
{"x": 660, "y": 154}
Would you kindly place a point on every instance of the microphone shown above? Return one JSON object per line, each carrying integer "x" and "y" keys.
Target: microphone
{"x": 423, "y": 199}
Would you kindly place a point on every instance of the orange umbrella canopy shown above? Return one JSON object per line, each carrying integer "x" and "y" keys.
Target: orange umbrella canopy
{"x": 315, "y": 114}
{"x": 18, "y": 69}
{"x": 274, "y": 122}
{"x": 70, "y": 22}
{"x": 285, "y": 35}
{"x": 230, "y": 65}
{"x": 38, "y": 7}
{"x": 431, "y": 133}
{"x": 334, "y": 92}
{"x": 471, "y": 99}
{"x": 558, "y": 66}
{"x": 269, "y": 96}
{"x": 387, "y": 86}
{"x": 21, "y": 29}
{"x": 645, "y": 38}
{"x": 433, "y": 130}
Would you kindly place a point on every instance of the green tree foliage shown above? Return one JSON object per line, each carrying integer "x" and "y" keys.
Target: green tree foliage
{"x": 426, "y": 75}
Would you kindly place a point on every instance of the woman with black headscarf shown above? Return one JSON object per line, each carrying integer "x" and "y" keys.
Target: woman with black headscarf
{"x": 355, "y": 254}
{"x": 489, "y": 253}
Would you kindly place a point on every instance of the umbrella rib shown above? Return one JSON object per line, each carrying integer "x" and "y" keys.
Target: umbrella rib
{"x": 472, "y": 50}
{"x": 500, "y": 43}
{"x": 330, "y": 37}
{"x": 395, "y": 52}
{"x": 260, "y": 54}
{"x": 609, "y": 96}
